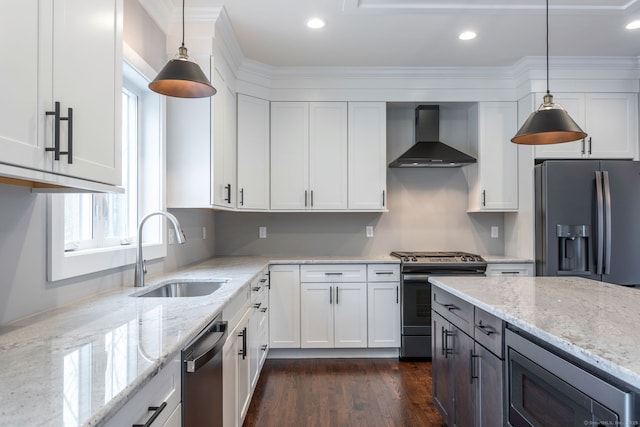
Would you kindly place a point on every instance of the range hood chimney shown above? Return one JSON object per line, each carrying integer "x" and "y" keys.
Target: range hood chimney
{"x": 428, "y": 151}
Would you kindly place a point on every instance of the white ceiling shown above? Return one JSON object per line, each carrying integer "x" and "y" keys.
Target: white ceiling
{"x": 423, "y": 33}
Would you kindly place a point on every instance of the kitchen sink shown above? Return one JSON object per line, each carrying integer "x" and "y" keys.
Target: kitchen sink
{"x": 183, "y": 288}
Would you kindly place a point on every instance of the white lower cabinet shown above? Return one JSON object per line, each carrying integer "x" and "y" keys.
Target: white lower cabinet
{"x": 284, "y": 306}
{"x": 510, "y": 269}
{"x": 333, "y": 311}
{"x": 235, "y": 378}
{"x": 383, "y": 321}
{"x": 165, "y": 387}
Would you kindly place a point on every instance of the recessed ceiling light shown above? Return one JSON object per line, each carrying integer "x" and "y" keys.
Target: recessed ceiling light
{"x": 467, "y": 35}
{"x": 633, "y": 25}
{"x": 315, "y": 23}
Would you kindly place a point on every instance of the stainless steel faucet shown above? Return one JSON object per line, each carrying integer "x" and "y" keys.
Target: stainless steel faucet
{"x": 141, "y": 269}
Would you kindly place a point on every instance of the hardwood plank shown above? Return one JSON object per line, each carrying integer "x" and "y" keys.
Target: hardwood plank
{"x": 343, "y": 392}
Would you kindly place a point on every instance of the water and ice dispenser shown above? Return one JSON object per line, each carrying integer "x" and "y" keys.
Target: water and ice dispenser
{"x": 573, "y": 251}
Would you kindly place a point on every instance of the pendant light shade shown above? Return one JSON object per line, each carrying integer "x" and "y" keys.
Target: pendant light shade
{"x": 182, "y": 77}
{"x": 550, "y": 123}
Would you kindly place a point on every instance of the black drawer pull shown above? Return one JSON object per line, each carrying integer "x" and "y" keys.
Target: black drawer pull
{"x": 156, "y": 412}
{"x": 384, "y": 272}
{"x": 487, "y": 330}
{"x": 255, "y": 288}
{"x": 264, "y": 309}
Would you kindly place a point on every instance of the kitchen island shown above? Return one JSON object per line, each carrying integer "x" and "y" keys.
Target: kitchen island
{"x": 580, "y": 331}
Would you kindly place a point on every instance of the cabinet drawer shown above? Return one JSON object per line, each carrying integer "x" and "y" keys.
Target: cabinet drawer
{"x": 383, "y": 272}
{"x": 165, "y": 387}
{"x": 332, "y": 273}
{"x": 521, "y": 269}
{"x": 488, "y": 330}
{"x": 454, "y": 309}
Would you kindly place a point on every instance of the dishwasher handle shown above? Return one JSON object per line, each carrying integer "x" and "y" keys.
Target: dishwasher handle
{"x": 206, "y": 347}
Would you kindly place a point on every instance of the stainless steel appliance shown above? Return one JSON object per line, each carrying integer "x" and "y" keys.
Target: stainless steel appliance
{"x": 415, "y": 293}
{"x": 202, "y": 377}
{"x": 545, "y": 389}
{"x": 587, "y": 219}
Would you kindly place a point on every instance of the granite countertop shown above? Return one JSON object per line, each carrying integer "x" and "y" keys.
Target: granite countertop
{"x": 78, "y": 364}
{"x": 594, "y": 321}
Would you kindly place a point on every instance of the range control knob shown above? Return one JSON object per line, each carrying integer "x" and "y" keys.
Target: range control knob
{"x": 405, "y": 259}
{"x": 414, "y": 259}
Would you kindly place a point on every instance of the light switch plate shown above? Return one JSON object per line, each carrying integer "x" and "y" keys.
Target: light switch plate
{"x": 262, "y": 232}
{"x": 494, "y": 231}
{"x": 369, "y": 231}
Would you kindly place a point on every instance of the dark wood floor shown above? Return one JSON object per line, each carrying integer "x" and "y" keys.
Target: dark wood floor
{"x": 343, "y": 392}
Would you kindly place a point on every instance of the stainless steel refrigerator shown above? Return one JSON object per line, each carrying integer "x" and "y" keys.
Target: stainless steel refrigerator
{"x": 588, "y": 219}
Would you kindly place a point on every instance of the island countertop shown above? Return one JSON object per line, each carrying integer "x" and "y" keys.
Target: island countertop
{"x": 78, "y": 364}
{"x": 593, "y": 321}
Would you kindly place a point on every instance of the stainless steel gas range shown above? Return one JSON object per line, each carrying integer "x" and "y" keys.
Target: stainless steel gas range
{"x": 415, "y": 293}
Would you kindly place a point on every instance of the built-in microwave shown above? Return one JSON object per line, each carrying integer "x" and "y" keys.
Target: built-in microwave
{"x": 547, "y": 390}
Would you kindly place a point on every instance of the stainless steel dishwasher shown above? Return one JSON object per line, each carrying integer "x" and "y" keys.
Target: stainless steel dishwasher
{"x": 202, "y": 377}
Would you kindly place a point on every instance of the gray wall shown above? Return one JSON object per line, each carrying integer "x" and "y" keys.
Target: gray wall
{"x": 427, "y": 210}
{"x": 24, "y": 289}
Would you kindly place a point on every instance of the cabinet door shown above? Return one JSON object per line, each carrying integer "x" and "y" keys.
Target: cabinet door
{"x": 464, "y": 389}
{"x": 229, "y": 381}
{"x": 497, "y": 156}
{"x": 612, "y": 125}
{"x": 243, "y": 379}
{"x": 175, "y": 419}
{"x": 87, "y": 76}
{"x": 350, "y": 315}
{"x": 489, "y": 393}
{"x": 223, "y": 106}
{"x": 383, "y": 314}
{"x": 289, "y": 155}
{"x": 284, "y": 306}
{"x": 328, "y": 155}
{"x": 253, "y": 153}
{"x": 22, "y": 118}
{"x": 316, "y": 315}
{"x": 574, "y": 103}
{"x": 253, "y": 344}
{"x": 367, "y": 155}
{"x": 441, "y": 367}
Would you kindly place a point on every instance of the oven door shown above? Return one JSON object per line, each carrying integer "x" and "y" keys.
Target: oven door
{"x": 416, "y": 305}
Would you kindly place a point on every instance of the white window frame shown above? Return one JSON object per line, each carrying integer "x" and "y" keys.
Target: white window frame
{"x": 64, "y": 265}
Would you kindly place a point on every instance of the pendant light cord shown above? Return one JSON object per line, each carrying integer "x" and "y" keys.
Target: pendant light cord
{"x": 547, "y": 47}
{"x": 183, "y": 28}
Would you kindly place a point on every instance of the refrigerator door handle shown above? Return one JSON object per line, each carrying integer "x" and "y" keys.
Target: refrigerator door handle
{"x": 607, "y": 222}
{"x": 600, "y": 222}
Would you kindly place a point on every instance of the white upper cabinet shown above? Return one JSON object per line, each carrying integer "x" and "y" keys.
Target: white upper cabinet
{"x": 253, "y": 153}
{"x": 308, "y": 155}
{"x": 289, "y": 155}
{"x": 609, "y": 119}
{"x": 59, "y": 55}
{"x": 201, "y": 147}
{"x": 224, "y": 143}
{"x": 367, "y": 155}
{"x": 493, "y": 180}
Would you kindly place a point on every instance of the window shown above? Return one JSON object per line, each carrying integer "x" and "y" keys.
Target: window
{"x": 94, "y": 232}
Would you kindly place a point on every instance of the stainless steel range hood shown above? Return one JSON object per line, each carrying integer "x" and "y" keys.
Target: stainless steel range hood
{"x": 428, "y": 151}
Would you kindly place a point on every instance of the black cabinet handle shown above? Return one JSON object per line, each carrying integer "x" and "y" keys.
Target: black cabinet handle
{"x": 311, "y": 198}
{"x": 255, "y": 288}
{"x": 337, "y": 294}
{"x": 472, "y": 358}
{"x": 264, "y": 309}
{"x": 69, "y": 120}
{"x": 263, "y": 280}
{"x": 383, "y": 198}
{"x": 589, "y": 145}
{"x": 156, "y": 412}
{"x": 228, "y": 188}
{"x": 397, "y": 294}
{"x": 56, "y": 133}
{"x": 484, "y": 197}
{"x": 305, "y": 198}
{"x": 487, "y": 330}
{"x": 330, "y": 294}
{"x": 264, "y": 347}
{"x": 243, "y": 352}
{"x": 242, "y": 197}
{"x": 257, "y": 305}
{"x": 446, "y": 351}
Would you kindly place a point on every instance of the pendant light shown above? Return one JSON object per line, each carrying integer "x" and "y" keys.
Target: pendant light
{"x": 182, "y": 77}
{"x": 550, "y": 124}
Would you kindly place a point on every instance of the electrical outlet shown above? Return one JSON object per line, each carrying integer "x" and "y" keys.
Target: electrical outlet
{"x": 171, "y": 237}
{"x": 494, "y": 231}
{"x": 204, "y": 233}
{"x": 369, "y": 231}
{"x": 262, "y": 232}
